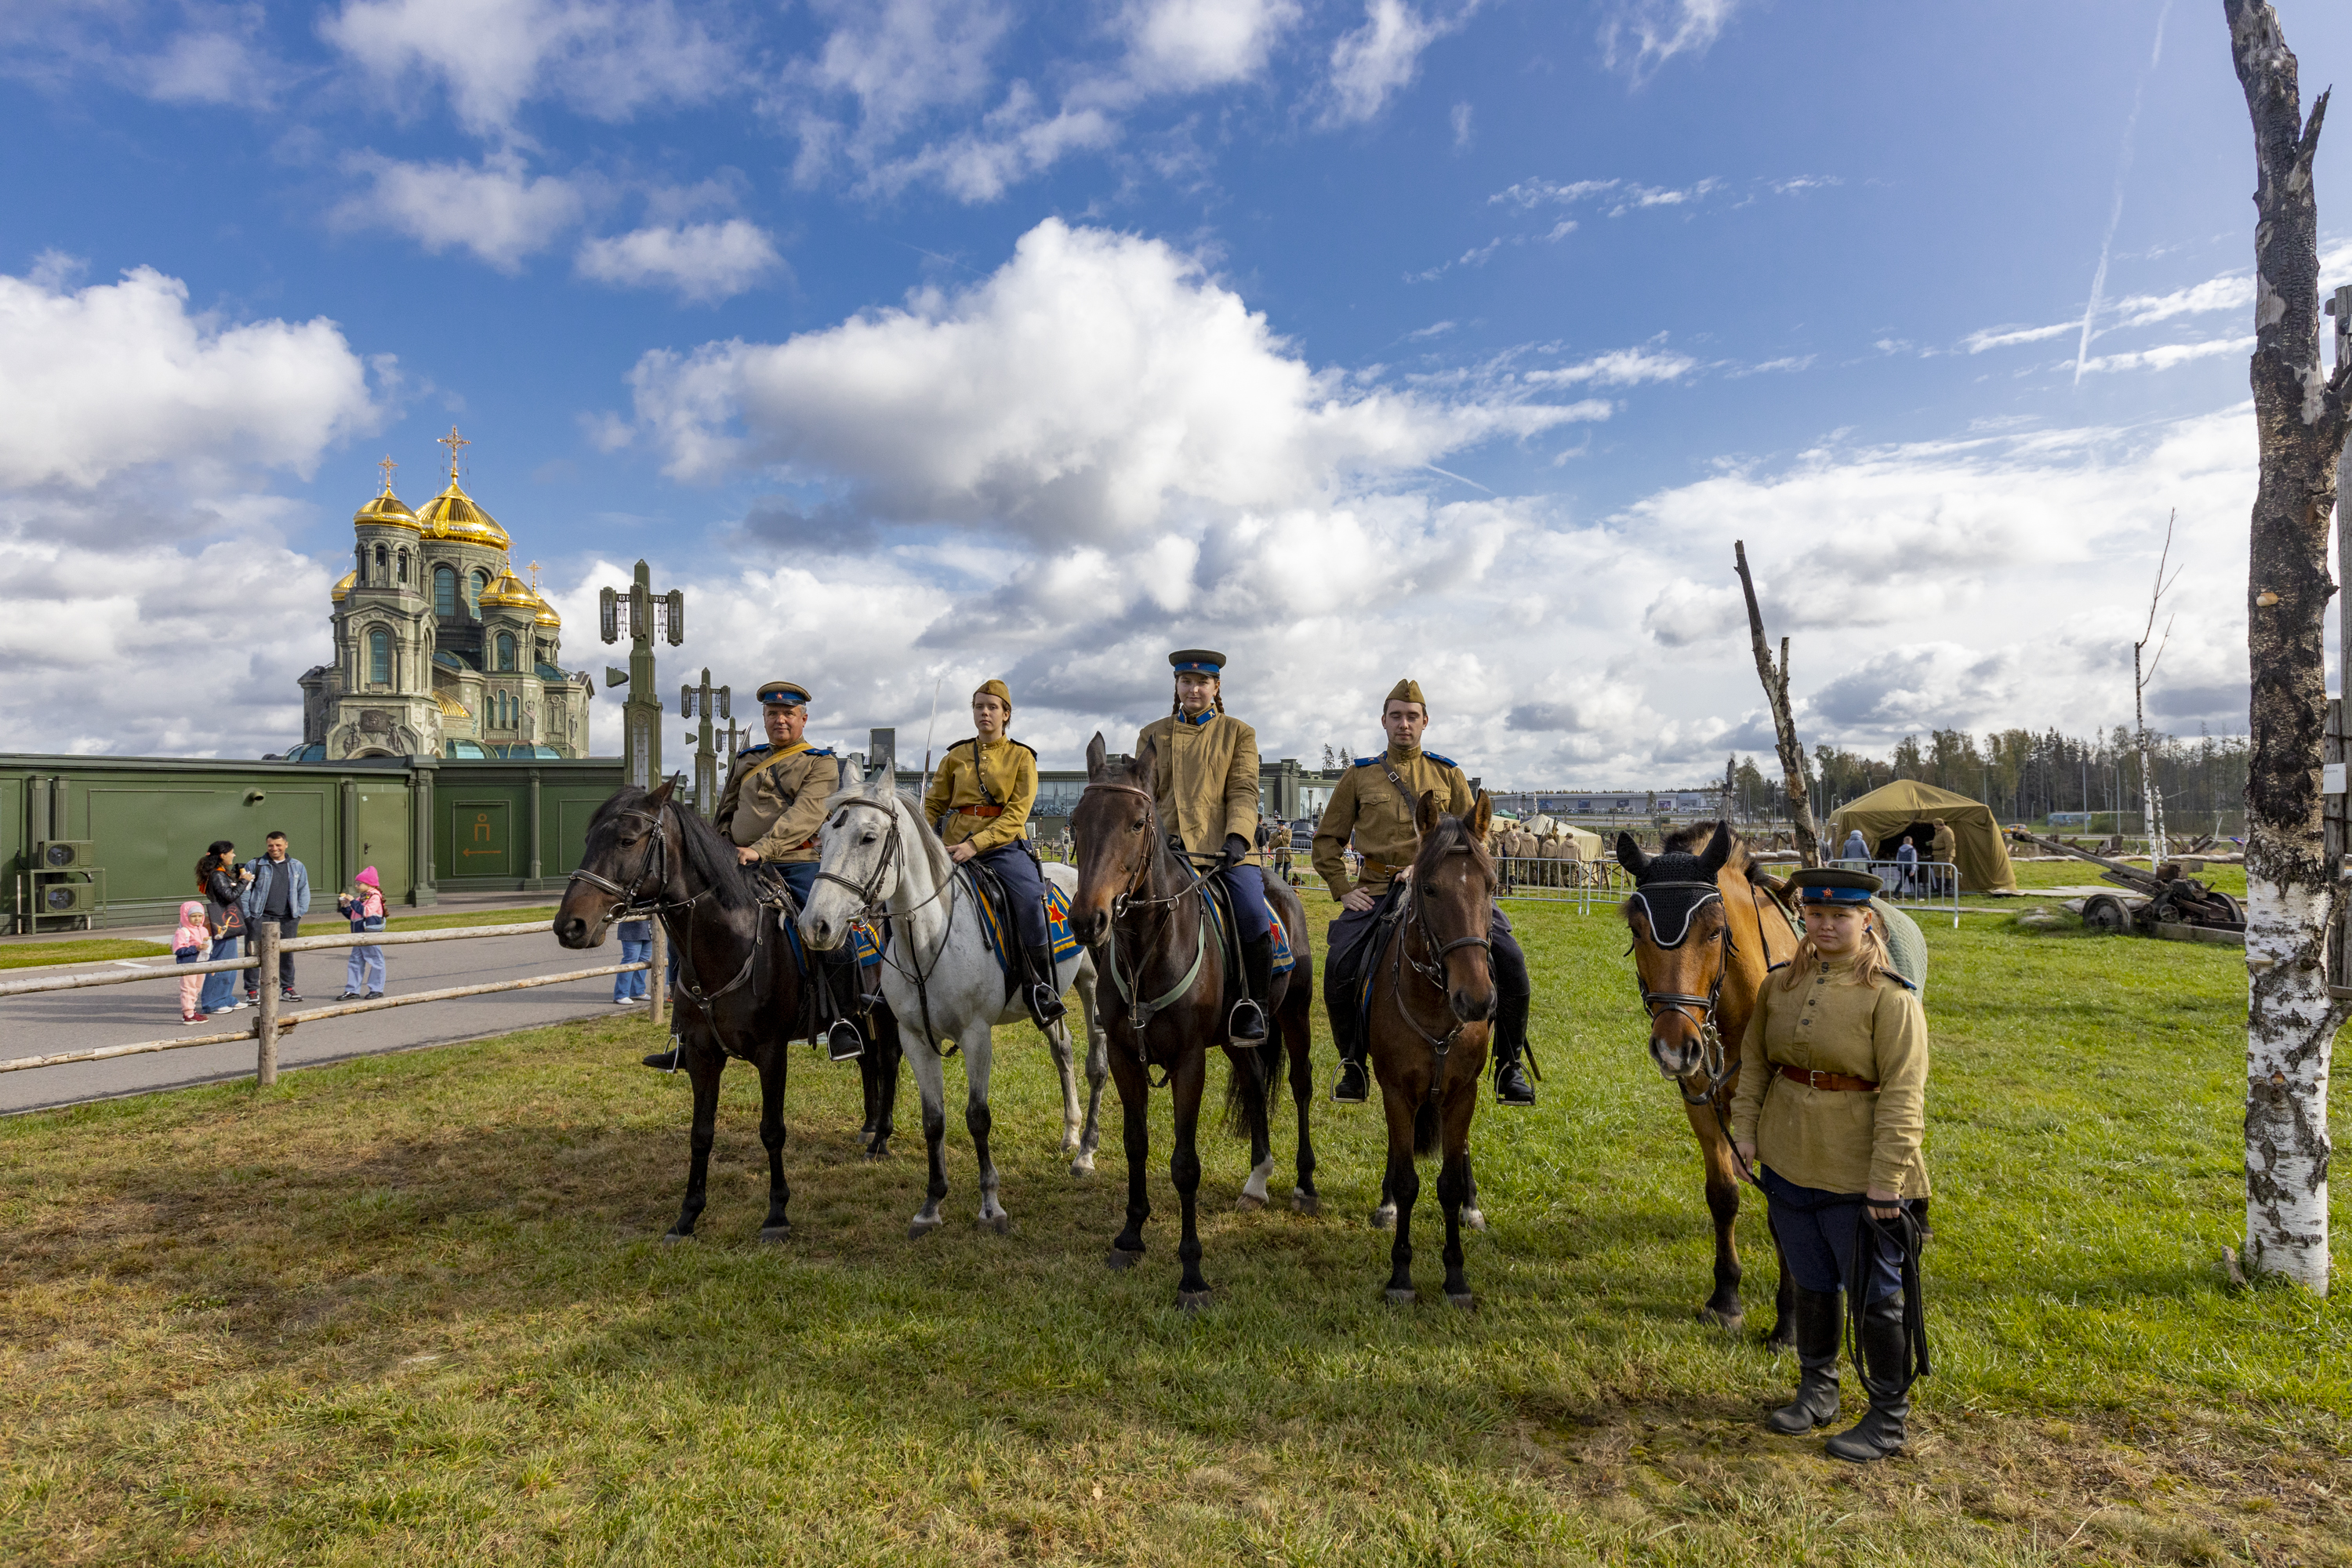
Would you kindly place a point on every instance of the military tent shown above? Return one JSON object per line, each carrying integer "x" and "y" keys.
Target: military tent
{"x": 1581, "y": 845}
{"x": 1909, "y": 807}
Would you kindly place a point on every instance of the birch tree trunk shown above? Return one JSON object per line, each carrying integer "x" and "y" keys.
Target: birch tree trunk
{"x": 1784, "y": 725}
{"x": 2293, "y": 892}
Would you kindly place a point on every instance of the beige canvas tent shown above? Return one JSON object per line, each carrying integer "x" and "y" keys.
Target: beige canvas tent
{"x": 1581, "y": 845}
{"x": 1907, "y": 806}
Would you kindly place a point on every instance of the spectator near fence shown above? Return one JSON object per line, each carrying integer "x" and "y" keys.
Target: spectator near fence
{"x": 1856, "y": 853}
{"x": 222, "y": 882}
{"x": 189, "y": 944}
{"x": 1906, "y": 868}
{"x": 278, "y": 894}
{"x": 364, "y": 907}
{"x": 1945, "y": 854}
{"x": 636, "y": 947}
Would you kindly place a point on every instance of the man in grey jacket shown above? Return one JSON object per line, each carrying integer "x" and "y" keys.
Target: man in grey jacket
{"x": 279, "y": 892}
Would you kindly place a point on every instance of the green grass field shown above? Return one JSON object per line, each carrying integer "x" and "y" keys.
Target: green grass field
{"x": 413, "y": 1309}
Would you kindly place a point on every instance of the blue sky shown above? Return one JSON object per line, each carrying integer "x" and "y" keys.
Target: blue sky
{"x": 924, "y": 341}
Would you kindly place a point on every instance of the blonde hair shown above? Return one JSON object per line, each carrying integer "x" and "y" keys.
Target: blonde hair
{"x": 1871, "y": 958}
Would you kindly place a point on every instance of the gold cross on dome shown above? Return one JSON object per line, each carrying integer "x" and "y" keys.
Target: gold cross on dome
{"x": 387, "y": 466}
{"x": 534, "y": 576}
{"x": 453, "y": 441}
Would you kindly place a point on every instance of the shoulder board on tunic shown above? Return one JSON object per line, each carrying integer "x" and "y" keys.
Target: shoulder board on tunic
{"x": 1368, "y": 761}
{"x": 967, "y": 741}
{"x": 818, "y": 751}
{"x": 1890, "y": 974}
{"x": 1440, "y": 761}
{"x": 1024, "y": 746}
{"x": 752, "y": 752}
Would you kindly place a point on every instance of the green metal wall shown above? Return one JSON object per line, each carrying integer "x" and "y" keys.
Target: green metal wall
{"x": 485, "y": 826}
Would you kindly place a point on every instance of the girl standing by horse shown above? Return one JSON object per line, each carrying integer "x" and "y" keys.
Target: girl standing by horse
{"x": 1830, "y": 1113}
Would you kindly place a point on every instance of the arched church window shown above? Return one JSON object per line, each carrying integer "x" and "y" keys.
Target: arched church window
{"x": 404, "y": 568}
{"x": 477, "y": 585}
{"x": 383, "y": 564}
{"x": 444, "y": 590}
{"x": 506, "y": 651}
{"x": 379, "y": 656}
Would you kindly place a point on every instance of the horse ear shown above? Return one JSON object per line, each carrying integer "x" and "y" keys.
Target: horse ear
{"x": 1145, "y": 763}
{"x": 1718, "y": 850}
{"x": 1481, "y": 816}
{"x": 1097, "y": 754}
{"x": 1426, "y": 812}
{"x": 1629, "y": 853}
{"x": 843, "y": 774}
{"x": 661, "y": 796}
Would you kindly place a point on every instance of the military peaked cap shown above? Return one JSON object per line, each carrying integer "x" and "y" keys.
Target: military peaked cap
{"x": 784, "y": 694}
{"x": 1197, "y": 661}
{"x": 1407, "y": 690}
{"x": 1834, "y": 884}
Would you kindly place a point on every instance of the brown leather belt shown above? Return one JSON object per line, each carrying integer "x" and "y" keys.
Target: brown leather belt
{"x": 1374, "y": 869}
{"x": 979, "y": 811}
{"x": 1814, "y": 1078}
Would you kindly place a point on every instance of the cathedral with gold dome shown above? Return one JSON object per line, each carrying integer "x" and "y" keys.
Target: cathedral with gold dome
{"x": 441, "y": 650}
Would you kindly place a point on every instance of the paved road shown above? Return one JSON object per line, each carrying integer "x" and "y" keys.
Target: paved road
{"x": 147, "y": 1010}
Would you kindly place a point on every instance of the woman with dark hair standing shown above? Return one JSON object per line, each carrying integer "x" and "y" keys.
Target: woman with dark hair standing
{"x": 1830, "y": 1113}
{"x": 221, "y": 881}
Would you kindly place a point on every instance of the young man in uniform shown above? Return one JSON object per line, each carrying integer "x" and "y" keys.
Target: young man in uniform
{"x": 1375, "y": 800}
{"x": 1204, "y": 786}
{"x": 979, "y": 802}
{"x": 771, "y": 810}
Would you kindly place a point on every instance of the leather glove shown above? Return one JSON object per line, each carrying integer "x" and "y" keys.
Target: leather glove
{"x": 1237, "y": 849}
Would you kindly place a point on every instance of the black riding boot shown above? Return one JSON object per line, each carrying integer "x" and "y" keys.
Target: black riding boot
{"x": 1887, "y": 1372}
{"x": 1819, "y": 1321}
{"x": 1248, "y": 1025}
{"x": 665, "y": 1061}
{"x": 1511, "y": 1085}
{"x": 1044, "y": 998}
{"x": 842, "y": 1041}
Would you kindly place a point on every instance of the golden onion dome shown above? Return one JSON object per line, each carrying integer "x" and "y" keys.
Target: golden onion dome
{"x": 450, "y": 707}
{"x": 510, "y": 592}
{"x": 343, "y": 588}
{"x": 454, "y": 515}
{"x": 384, "y": 512}
{"x": 547, "y": 616}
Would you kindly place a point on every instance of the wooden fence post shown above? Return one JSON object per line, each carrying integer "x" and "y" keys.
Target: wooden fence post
{"x": 266, "y": 937}
{"x": 658, "y": 974}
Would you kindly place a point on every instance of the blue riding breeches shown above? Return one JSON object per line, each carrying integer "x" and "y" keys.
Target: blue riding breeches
{"x": 1246, "y": 885}
{"x": 1510, "y": 964}
{"x": 800, "y": 876}
{"x": 1816, "y": 1230}
{"x": 1025, "y": 886}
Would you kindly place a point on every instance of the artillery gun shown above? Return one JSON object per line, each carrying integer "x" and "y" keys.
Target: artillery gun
{"x": 2167, "y": 898}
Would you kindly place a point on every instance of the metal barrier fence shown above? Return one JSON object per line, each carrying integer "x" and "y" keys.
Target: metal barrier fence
{"x": 1579, "y": 882}
{"x": 270, "y": 1024}
{"x": 1931, "y": 885}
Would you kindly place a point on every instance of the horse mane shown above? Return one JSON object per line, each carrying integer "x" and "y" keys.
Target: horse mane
{"x": 1439, "y": 842}
{"x": 707, "y": 853}
{"x": 935, "y": 849}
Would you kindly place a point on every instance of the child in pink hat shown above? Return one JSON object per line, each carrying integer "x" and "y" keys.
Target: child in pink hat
{"x": 363, "y": 906}
{"x": 189, "y": 944}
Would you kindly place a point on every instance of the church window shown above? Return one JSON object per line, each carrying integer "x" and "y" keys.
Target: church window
{"x": 383, "y": 564}
{"x": 476, "y": 586}
{"x": 444, "y": 590}
{"x": 379, "y": 656}
{"x": 506, "y": 651}
{"x": 404, "y": 568}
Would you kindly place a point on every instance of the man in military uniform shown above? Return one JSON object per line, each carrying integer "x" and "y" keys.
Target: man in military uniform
{"x": 1204, "y": 786}
{"x": 979, "y": 801}
{"x": 771, "y": 810}
{"x": 1375, "y": 800}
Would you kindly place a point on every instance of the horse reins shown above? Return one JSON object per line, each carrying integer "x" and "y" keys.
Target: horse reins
{"x": 1140, "y": 1011}
{"x": 870, "y": 904}
{"x": 634, "y": 901}
{"x": 1430, "y": 967}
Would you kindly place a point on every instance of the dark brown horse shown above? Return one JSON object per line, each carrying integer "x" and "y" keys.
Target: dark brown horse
{"x": 739, "y": 979}
{"x": 1143, "y": 910}
{"x": 1433, "y": 995}
{"x": 1707, "y": 928}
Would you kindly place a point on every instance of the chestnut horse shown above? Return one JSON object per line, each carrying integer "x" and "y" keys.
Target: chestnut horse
{"x": 1706, "y": 929}
{"x": 1142, "y": 909}
{"x": 1429, "y": 1025}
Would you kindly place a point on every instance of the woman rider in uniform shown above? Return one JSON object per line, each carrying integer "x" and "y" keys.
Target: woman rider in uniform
{"x": 979, "y": 802}
{"x": 1829, "y": 1114}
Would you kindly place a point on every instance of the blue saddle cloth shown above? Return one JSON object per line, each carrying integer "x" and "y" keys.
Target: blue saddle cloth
{"x": 1283, "y": 961}
{"x": 1057, "y": 925}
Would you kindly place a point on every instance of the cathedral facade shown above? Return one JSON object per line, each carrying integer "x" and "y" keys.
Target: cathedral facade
{"x": 440, "y": 649}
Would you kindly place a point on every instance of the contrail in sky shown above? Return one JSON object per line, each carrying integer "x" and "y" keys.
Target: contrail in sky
{"x": 2115, "y": 213}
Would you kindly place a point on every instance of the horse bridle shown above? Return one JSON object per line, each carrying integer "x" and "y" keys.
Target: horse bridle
{"x": 1430, "y": 966}
{"x": 634, "y": 900}
{"x": 1140, "y": 1012}
{"x": 1714, "y": 1061}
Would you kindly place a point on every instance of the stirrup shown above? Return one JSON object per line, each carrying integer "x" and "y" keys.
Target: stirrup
{"x": 1354, "y": 1086}
{"x": 842, "y": 1042}
{"x": 664, "y": 1061}
{"x": 1247, "y": 1022}
{"x": 1045, "y": 1004}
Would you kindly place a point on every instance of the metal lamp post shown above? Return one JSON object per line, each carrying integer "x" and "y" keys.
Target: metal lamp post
{"x": 706, "y": 703}
{"x": 646, "y": 616}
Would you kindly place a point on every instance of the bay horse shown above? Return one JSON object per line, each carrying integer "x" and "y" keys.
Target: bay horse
{"x": 1703, "y": 941}
{"x": 739, "y": 982}
{"x": 1429, "y": 1027}
{"x": 1145, "y": 912}
{"x": 878, "y": 854}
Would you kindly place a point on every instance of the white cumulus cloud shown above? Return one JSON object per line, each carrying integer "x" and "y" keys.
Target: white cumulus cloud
{"x": 1377, "y": 60}
{"x": 702, "y": 261}
{"x": 494, "y": 209}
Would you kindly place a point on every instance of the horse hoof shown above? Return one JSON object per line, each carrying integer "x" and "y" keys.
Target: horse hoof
{"x": 774, "y": 1233}
{"x": 1400, "y": 1297}
{"x": 876, "y": 1153}
{"x": 1464, "y": 1299}
{"x": 1192, "y": 1301}
{"x": 920, "y": 1228}
{"x": 1728, "y": 1322}
{"x": 1476, "y": 1220}
{"x": 673, "y": 1236}
{"x": 1384, "y": 1220}
{"x": 1305, "y": 1203}
{"x": 1000, "y": 1222}
{"x": 1084, "y": 1165}
{"x": 1121, "y": 1258}
{"x": 1780, "y": 1342}
{"x": 1249, "y": 1200}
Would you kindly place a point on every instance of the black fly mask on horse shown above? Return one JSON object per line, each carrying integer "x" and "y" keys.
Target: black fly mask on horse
{"x": 1670, "y": 888}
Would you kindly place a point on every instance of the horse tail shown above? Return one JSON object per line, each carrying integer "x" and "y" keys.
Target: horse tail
{"x": 1424, "y": 1127}
{"x": 1246, "y": 1081}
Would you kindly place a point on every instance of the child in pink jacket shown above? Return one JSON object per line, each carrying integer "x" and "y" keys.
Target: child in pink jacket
{"x": 190, "y": 943}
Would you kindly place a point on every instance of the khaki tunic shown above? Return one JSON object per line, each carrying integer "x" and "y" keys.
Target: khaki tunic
{"x": 1204, "y": 781}
{"x": 774, "y": 800}
{"x": 1366, "y": 805}
{"x": 1010, "y": 769}
{"x": 1946, "y": 844}
{"x": 1840, "y": 1140}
